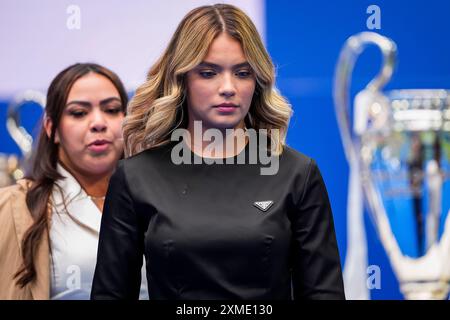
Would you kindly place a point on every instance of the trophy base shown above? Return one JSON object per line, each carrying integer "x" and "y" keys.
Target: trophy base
{"x": 425, "y": 291}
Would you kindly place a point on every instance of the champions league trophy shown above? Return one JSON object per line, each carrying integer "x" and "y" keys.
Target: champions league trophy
{"x": 11, "y": 167}
{"x": 399, "y": 147}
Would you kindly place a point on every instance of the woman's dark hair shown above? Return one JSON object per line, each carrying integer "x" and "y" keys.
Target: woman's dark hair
{"x": 43, "y": 167}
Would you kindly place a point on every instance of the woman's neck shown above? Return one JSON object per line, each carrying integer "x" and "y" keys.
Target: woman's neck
{"x": 94, "y": 185}
{"x": 218, "y": 143}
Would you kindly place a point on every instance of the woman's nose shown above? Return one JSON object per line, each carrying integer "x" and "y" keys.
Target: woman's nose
{"x": 227, "y": 86}
{"x": 98, "y": 122}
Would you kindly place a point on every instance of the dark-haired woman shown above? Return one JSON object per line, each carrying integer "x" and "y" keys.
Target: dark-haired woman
{"x": 51, "y": 220}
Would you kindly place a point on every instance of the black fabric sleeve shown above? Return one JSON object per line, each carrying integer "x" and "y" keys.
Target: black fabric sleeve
{"x": 120, "y": 249}
{"x": 316, "y": 272}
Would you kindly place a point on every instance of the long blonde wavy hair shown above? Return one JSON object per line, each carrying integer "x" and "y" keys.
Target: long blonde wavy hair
{"x": 159, "y": 104}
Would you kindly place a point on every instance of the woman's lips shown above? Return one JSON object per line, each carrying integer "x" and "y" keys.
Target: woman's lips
{"x": 99, "y": 146}
{"x": 226, "y": 107}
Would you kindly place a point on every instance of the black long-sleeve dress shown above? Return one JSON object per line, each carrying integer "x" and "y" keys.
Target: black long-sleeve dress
{"x": 217, "y": 231}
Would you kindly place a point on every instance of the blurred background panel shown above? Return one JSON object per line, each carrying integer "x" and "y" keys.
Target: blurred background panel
{"x": 40, "y": 38}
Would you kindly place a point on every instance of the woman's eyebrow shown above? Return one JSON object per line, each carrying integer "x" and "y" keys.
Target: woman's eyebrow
{"x": 209, "y": 65}
{"x": 79, "y": 102}
{"x": 241, "y": 65}
{"x": 89, "y": 104}
{"x": 108, "y": 100}
{"x": 216, "y": 66}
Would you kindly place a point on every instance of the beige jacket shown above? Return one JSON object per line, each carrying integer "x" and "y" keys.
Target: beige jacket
{"x": 15, "y": 219}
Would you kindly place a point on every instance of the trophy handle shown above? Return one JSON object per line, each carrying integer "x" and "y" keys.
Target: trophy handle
{"x": 356, "y": 257}
{"x": 352, "y": 48}
{"x": 19, "y": 134}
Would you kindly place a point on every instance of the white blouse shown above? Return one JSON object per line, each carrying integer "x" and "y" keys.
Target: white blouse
{"x": 74, "y": 237}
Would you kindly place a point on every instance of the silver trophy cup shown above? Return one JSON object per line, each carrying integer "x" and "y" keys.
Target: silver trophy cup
{"x": 399, "y": 143}
{"x": 12, "y": 166}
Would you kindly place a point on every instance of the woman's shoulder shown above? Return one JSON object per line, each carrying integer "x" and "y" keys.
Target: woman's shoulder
{"x": 13, "y": 198}
{"x": 21, "y": 187}
{"x": 296, "y": 158}
{"x": 156, "y": 154}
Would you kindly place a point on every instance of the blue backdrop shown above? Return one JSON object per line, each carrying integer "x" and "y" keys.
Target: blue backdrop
{"x": 304, "y": 39}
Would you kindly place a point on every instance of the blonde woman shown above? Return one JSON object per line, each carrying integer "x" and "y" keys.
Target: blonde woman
{"x": 192, "y": 195}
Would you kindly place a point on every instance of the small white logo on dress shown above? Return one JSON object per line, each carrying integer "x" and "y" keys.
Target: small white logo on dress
{"x": 263, "y": 205}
